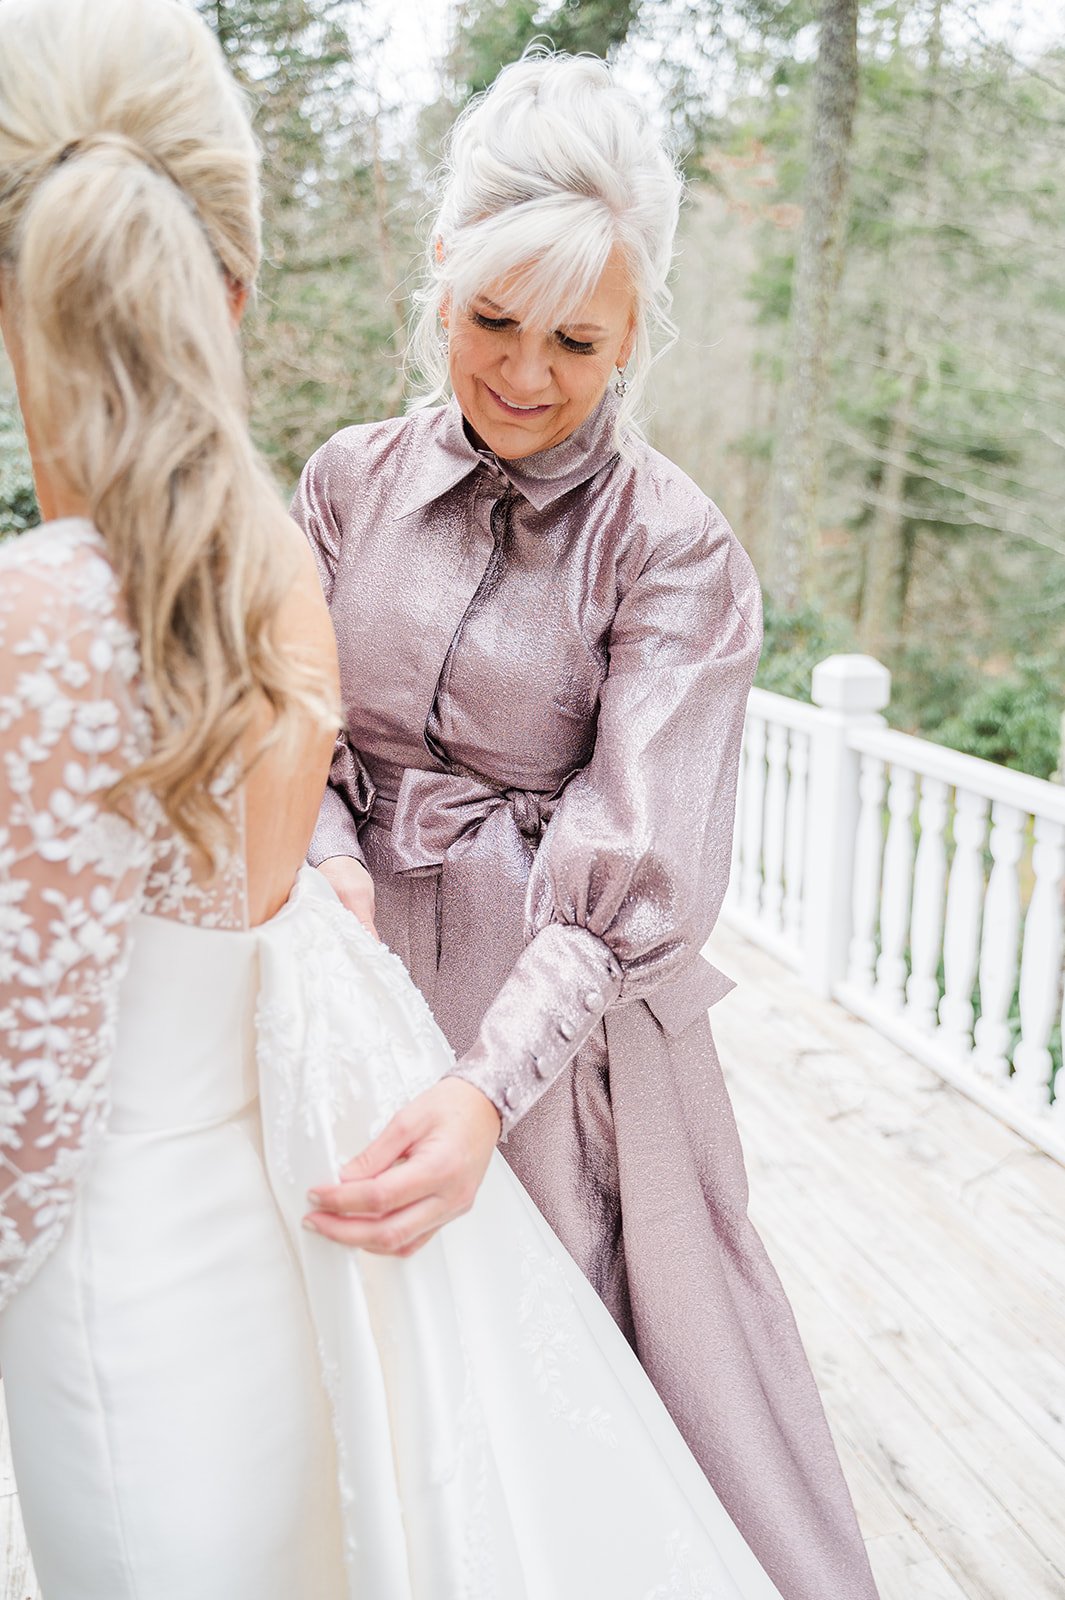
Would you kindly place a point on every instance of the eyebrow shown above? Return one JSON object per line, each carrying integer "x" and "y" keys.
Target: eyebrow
{"x": 573, "y": 327}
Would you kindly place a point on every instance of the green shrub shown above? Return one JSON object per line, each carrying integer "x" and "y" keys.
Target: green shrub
{"x": 794, "y": 644}
{"x": 18, "y": 502}
{"x": 1015, "y": 721}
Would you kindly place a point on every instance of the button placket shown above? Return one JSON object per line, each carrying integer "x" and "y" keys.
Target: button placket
{"x": 435, "y": 733}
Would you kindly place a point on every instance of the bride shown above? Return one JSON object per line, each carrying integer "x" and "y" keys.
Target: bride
{"x": 207, "y": 1401}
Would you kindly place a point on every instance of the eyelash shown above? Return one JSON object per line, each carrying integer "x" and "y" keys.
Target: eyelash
{"x": 500, "y": 324}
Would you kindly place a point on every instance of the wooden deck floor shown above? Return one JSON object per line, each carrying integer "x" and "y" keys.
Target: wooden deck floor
{"x": 923, "y": 1246}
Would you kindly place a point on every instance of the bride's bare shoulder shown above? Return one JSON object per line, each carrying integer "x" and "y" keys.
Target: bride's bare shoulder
{"x": 304, "y": 621}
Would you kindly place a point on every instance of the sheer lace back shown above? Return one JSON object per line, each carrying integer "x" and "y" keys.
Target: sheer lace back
{"x": 73, "y": 875}
{"x": 179, "y": 889}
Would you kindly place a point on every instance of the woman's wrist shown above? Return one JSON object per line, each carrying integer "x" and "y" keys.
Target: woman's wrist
{"x": 554, "y": 997}
{"x": 484, "y": 1109}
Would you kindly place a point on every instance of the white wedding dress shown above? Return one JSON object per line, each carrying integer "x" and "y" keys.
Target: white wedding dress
{"x": 207, "y": 1402}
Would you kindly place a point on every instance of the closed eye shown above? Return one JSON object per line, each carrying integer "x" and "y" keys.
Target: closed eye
{"x": 576, "y": 345}
{"x": 494, "y": 324}
{"x": 502, "y": 324}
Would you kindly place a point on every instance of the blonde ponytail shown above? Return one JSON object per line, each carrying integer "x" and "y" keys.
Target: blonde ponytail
{"x": 129, "y": 218}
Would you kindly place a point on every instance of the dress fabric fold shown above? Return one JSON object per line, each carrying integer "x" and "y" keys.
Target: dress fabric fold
{"x": 496, "y": 1435}
{"x": 209, "y": 1403}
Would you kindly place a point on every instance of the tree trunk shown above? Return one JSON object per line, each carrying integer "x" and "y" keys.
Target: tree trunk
{"x": 886, "y": 553}
{"x": 883, "y": 592}
{"x": 393, "y": 290}
{"x": 800, "y": 448}
{"x": 221, "y": 26}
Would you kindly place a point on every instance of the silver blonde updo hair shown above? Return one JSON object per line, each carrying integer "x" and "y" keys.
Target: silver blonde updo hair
{"x": 544, "y": 174}
{"x": 129, "y": 216}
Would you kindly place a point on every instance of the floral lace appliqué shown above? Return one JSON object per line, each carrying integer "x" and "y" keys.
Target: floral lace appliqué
{"x": 553, "y": 1341}
{"x": 684, "y": 1581}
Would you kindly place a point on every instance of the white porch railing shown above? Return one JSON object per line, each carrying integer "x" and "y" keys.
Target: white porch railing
{"x": 921, "y": 888}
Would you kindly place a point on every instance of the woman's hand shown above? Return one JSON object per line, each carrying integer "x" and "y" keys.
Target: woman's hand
{"x": 422, "y": 1171}
{"x": 353, "y": 886}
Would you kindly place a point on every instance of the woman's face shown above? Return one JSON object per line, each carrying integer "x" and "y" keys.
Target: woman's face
{"x": 523, "y": 390}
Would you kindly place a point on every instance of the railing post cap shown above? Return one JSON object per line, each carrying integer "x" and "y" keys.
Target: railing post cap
{"x": 851, "y": 683}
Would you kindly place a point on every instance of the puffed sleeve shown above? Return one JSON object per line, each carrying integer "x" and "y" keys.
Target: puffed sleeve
{"x": 71, "y": 881}
{"x": 629, "y": 877}
{"x": 349, "y": 792}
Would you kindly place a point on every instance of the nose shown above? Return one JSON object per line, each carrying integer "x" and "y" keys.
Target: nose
{"x": 526, "y": 366}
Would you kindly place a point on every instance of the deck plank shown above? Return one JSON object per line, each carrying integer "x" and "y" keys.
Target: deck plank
{"x": 919, "y": 1241}
{"x": 893, "y": 1397}
{"x": 914, "y": 1168}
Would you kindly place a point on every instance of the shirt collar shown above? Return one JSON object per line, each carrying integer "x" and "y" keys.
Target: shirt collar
{"x": 541, "y": 479}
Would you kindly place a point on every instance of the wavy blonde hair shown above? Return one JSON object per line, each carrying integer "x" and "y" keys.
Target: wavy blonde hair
{"x": 129, "y": 215}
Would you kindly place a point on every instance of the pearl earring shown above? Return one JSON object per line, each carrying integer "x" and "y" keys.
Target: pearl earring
{"x": 621, "y": 383}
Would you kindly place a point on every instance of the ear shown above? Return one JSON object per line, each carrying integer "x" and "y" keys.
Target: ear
{"x": 238, "y": 300}
{"x": 445, "y": 311}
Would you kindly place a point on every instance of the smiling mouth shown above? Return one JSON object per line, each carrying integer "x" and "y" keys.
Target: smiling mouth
{"x": 514, "y": 410}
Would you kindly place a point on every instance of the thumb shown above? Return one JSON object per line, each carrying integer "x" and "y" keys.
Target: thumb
{"x": 391, "y": 1143}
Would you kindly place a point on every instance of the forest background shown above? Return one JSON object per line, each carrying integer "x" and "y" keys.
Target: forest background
{"x": 870, "y": 371}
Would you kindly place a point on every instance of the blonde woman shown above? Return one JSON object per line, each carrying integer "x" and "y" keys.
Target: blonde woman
{"x": 547, "y": 635}
{"x": 206, "y": 1400}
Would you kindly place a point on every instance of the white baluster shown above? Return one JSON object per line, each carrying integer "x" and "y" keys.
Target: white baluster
{"x": 868, "y": 844}
{"x": 849, "y": 692}
{"x": 1040, "y": 969}
{"x": 776, "y": 794}
{"x": 753, "y": 806}
{"x": 795, "y": 834}
{"x": 961, "y": 938}
{"x": 926, "y": 922}
{"x": 895, "y": 890}
{"x": 999, "y": 947}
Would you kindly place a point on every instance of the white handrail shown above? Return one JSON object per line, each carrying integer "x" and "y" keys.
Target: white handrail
{"x": 783, "y": 710}
{"x": 922, "y": 888}
{"x": 1020, "y": 789}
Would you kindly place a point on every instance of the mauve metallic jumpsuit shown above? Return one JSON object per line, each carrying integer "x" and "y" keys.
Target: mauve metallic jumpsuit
{"x": 545, "y": 666}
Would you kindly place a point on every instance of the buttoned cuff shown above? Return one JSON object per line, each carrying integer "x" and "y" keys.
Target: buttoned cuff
{"x": 554, "y": 997}
{"x": 336, "y": 832}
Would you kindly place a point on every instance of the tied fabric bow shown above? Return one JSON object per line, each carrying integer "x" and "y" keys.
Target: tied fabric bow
{"x": 444, "y": 815}
{"x": 348, "y": 775}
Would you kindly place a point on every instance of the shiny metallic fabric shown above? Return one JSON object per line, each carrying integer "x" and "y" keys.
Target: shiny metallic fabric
{"x": 545, "y": 667}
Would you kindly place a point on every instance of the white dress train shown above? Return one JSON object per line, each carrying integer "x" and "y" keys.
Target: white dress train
{"x": 206, "y": 1401}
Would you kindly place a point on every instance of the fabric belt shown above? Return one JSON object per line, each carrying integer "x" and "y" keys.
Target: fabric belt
{"x": 438, "y": 814}
{"x": 437, "y": 817}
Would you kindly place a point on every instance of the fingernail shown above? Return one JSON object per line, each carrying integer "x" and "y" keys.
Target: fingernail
{"x": 315, "y": 1198}
{"x": 309, "y": 1225}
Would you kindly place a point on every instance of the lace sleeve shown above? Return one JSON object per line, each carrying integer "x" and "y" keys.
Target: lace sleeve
{"x": 71, "y": 874}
